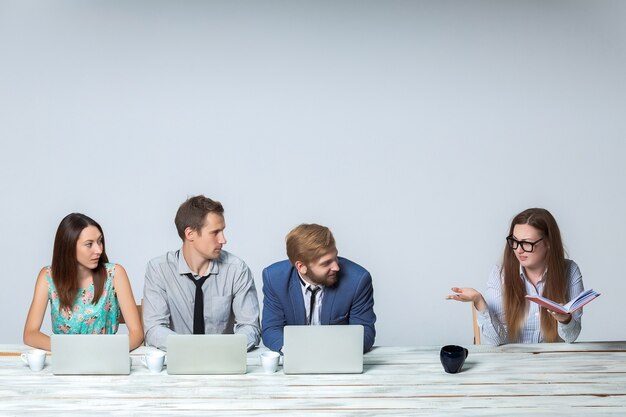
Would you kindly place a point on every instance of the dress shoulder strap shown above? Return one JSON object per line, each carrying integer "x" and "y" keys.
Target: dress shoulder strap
{"x": 50, "y": 281}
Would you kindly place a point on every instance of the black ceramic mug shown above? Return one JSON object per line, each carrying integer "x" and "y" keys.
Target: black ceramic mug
{"x": 452, "y": 358}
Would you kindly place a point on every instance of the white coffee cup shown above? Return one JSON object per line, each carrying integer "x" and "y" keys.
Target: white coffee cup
{"x": 154, "y": 360}
{"x": 269, "y": 361}
{"x": 35, "y": 359}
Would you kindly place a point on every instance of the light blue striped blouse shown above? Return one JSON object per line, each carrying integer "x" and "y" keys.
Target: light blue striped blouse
{"x": 492, "y": 322}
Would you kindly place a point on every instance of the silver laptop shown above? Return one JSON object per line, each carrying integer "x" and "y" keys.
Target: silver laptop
{"x": 206, "y": 354}
{"x": 90, "y": 354}
{"x": 323, "y": 349}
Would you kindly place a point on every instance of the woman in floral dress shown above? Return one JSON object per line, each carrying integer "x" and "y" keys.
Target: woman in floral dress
{"x": 85, "y": 291}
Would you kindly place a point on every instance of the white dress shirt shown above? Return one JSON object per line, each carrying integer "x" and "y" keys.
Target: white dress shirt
{"x": 317, "y": 308}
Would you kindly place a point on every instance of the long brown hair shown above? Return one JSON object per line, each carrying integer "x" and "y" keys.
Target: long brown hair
{"x": 64, "y": 268}
{"x": 555, "y": 286}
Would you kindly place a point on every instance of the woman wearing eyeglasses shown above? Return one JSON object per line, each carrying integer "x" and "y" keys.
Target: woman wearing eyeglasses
{"x": 533, "y": 264}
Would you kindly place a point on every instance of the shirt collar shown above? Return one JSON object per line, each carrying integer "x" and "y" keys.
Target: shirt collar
{"x": 306, "y": 285}
{"x": 522, "y": 274}
{"x": 183, "y": 268}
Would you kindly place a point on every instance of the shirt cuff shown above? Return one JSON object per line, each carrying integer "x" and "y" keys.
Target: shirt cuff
{"x": 483, "y": 316}
{"x": 567, "y": 326}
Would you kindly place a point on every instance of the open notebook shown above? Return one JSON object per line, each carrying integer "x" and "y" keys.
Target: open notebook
{"x": 576, "y": 303}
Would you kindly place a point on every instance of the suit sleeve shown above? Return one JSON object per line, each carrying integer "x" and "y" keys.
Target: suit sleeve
{"x": 273, "y": 319}
{"x": 362, "y": 311}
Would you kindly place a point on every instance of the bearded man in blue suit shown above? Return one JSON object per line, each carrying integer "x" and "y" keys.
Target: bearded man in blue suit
{"x": 315, "y": 286}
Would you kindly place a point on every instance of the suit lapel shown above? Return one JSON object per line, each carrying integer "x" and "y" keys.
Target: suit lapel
{"x": 295, "y": 293}
{"x": 327, "y": 303}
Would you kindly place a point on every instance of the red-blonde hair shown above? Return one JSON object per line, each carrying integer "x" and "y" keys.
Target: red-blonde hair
{"x": 307, "y": 242}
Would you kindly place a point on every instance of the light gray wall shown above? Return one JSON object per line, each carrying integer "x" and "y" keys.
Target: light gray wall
{"x": 415, "y": 130}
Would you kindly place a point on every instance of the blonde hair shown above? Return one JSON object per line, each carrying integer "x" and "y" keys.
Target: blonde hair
{"x": 307, "y": 242}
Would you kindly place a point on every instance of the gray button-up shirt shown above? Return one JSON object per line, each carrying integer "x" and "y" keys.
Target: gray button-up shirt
{"x": 230, "y": 299}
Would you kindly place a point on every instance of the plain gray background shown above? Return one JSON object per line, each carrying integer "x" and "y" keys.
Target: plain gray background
{"x": 414, "y": 130}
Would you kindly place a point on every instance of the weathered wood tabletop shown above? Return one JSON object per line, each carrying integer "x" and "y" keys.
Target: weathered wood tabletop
{"x": 586, "y": 379}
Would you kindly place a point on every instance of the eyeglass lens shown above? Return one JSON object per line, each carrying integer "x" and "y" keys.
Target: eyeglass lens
{"x": 526, "y": 246}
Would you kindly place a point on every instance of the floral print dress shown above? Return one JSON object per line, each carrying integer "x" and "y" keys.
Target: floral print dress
{"x": 85, "y": 317}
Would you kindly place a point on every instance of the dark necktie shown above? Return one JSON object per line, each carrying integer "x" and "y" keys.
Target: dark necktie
{"x": 198, "y": 308}
{"x": 312, "y": 301}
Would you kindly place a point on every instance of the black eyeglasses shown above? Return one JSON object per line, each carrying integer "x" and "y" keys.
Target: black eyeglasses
{"x": 526, "y": 246}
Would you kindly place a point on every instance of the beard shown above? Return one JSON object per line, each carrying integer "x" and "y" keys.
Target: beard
{"x": 325, "y": 280}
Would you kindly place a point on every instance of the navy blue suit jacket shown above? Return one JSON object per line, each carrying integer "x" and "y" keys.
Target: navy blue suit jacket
{"x": 349, "y": 301}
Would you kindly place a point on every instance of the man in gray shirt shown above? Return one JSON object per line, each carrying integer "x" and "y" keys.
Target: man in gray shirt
{"x": 200, "y": 288}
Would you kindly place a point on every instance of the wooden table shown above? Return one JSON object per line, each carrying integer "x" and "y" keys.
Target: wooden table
{"x": 585, "y": 379}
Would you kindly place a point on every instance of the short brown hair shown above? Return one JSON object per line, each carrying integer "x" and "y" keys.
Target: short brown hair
{"x": 192, "y": 213}
{"x": 307, "y": 242}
